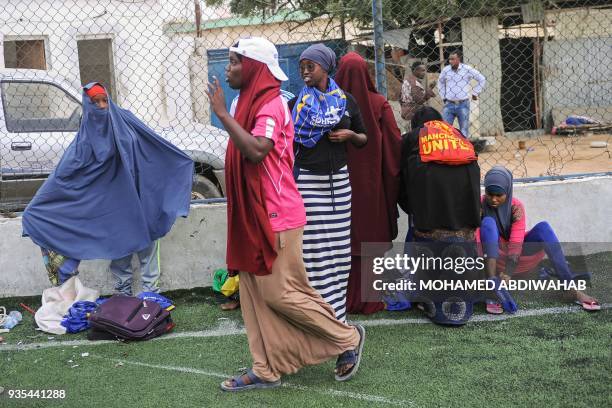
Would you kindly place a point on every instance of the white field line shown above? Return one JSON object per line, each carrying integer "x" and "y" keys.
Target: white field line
{"x": 227, "y": 328}
{"x": 326, "y": 392}
{"x": 230, "y": 328}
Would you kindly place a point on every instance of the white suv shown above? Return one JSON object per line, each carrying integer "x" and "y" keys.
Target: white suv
{"x": 39, "y": 117}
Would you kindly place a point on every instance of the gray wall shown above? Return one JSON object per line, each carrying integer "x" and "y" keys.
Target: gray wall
{"x": 577, "y": 63}
{"x": 578, "y": 209}
{"x": 577, "y": 75}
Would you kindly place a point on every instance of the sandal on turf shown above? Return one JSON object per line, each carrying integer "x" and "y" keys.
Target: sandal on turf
{"x": 256, "y": 382}
{"x": 351, "y": 357}
{"x": 494, "y": 308}
{"x": 592, "y": 306}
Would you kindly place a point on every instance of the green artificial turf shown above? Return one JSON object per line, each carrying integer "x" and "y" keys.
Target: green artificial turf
{"x": 553, "y": 360}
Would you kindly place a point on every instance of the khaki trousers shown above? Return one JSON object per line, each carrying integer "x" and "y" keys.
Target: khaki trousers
{"x": 288, "y": 323}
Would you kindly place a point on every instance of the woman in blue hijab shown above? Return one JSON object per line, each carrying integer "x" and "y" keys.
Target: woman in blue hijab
{"x": 118, "y": 188}
{"x": 510, "y": 248}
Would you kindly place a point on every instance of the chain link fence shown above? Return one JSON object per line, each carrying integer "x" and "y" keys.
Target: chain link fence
{"x": 543, "y": 105}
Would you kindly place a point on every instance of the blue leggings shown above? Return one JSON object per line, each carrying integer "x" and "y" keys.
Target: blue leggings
{"x": 540, "y": 237}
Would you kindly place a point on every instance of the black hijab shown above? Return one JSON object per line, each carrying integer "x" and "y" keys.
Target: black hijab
{"x": 424, "y": 115}
{"x": 501, "y": 178}
{"x": 438, "y": 196}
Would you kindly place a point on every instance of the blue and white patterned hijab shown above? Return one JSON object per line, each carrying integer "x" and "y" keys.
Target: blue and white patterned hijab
{"x": 315, "y": 113}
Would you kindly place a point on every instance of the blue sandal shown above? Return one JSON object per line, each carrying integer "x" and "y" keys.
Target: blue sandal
{"x": 256, "y": 382}
{"x": 351, "y": 357}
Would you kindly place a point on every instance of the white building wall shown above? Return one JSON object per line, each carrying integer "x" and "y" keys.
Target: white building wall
{"x": 142, "y": 54}
{"x": 159, "y": 76}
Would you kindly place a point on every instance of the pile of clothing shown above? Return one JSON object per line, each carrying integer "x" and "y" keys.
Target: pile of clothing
{"x": 70, "y": 308}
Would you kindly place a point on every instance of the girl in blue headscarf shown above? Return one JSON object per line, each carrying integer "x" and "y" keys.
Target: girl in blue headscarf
{"x": 510, "y": 248}
{"x": 118, "y": 188}
{"x": 326, "y": 118}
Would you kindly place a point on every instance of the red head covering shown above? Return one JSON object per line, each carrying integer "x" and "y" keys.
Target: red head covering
{"x": 95, "y": 90}
{"x": 373, "y": 170}
{"x": 353, "y": 72}
{"x": 250, "y": 240}
{"x": 376, "y": 165}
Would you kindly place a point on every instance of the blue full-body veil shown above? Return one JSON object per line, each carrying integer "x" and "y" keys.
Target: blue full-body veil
{"x": 118, "y": 187}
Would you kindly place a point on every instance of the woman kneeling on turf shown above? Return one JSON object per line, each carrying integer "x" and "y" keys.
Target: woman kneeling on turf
{"x": 503, "y": 233}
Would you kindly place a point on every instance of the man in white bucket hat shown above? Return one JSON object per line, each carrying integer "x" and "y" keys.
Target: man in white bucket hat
{"x": 288, "y": 324}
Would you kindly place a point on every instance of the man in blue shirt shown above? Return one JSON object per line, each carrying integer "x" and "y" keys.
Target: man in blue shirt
{"x": 452, "y": 85}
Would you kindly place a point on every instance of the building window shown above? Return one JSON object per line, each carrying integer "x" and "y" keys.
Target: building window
{"x": 25, "y": 54}
{"x": 96, "y": 63}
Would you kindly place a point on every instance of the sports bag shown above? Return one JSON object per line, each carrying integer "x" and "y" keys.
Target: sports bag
{"x": 129, "y": 318}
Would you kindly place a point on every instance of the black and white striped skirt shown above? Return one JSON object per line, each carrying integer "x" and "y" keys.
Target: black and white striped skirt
{"x": 327, "y": 234}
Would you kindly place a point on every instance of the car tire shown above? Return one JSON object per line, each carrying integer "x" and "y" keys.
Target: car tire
{"x": 204, "y": 188}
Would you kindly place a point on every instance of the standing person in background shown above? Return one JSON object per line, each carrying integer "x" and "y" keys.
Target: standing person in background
{"x": 288, "y": 324}
{"x": 374, "y": 174}
{"x": 327, "y": 120}
{"x": 452, "y": 85}
{"x": 414, "y": 95}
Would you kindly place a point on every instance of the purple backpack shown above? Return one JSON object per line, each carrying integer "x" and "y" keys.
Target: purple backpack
{"x": 129, "y": 318}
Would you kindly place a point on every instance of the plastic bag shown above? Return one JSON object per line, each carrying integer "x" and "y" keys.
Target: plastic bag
{"x": 231, "y": 285}
{"x": 219, "y": 278}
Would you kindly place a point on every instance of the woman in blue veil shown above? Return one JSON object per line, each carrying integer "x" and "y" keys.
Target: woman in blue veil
{"x": 118, "y": 188}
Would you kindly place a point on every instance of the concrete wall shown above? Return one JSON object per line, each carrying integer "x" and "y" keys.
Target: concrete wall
{"x": 190, "y": 253}
{"x": 580, "y": 23}
{"x": 481, "y": 50}
{"x": 198, "y": 69}
{"x": 579, "y": 210}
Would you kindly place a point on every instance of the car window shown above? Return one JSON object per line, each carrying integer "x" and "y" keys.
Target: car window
{"x": 39, "y": 107}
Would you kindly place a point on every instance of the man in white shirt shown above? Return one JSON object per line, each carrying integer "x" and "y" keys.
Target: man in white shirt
{"x": 452, "y": 85}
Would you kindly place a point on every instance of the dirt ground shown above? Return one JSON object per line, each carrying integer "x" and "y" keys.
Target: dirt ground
{"x": 549, "y": 155}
